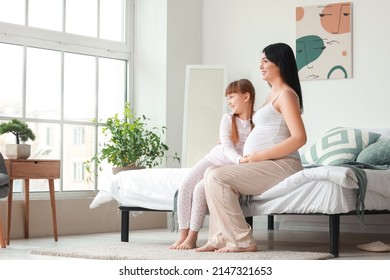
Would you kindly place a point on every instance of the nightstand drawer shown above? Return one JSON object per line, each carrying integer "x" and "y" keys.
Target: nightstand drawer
{"x": 34, "y": 169}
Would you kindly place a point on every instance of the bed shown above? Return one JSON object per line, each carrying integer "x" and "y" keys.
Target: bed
{"x": 322, "y": 190}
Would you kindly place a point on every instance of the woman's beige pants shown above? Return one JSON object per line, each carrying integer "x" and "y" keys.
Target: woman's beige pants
{"x": 224, "y": 185}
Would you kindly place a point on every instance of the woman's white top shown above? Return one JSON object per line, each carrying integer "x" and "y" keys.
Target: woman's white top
{"x": 270, "y": 129}
{"x": 226, "y": 152}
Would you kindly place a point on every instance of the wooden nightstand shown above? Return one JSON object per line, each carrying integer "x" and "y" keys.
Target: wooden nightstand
{"x": 32, "y": 169}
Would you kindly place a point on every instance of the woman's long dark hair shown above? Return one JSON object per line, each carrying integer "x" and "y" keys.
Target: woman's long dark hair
{"x": 283, "y": 56}
{"x": 241, "y": 86}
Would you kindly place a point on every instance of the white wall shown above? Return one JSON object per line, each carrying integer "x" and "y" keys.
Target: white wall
{"x": 183, "y": 47}
{"x": 150, "y": 60}
{"x": 235, "y": 32}
{"x": 167, "y": 38}
{"x": 173, "y": 33}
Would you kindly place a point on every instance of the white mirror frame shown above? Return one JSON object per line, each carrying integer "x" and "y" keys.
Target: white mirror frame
{"x": 204, "y": 105}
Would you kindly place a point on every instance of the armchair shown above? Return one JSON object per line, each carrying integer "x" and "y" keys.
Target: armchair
{"x": 4, "y": 187}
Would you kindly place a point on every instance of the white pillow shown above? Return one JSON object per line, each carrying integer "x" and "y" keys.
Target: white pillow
{"x": 338, "y": 145}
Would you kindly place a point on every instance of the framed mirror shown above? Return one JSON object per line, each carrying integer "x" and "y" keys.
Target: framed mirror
{"x": 204, "y": 105}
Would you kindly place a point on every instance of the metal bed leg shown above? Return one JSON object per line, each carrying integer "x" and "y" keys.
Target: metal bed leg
{"x": 249, "y": 221}
{"x": 125, "y": 225}
{"x": 270, "y": 222}
{"x": 334, "y": 234}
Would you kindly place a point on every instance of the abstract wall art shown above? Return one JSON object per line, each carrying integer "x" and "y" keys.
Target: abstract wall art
{"x": 324, "y": 41}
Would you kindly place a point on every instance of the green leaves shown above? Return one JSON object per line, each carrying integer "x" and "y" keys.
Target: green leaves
{"x": 18, "y": 128}
{"x": 132, "y": 142}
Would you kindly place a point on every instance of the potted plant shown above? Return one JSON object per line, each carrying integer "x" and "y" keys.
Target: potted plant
{"x": 131, "y": 144}
{"x": 22, "y": 133}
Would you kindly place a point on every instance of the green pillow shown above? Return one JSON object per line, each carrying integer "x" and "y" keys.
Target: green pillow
{"x": 338, "y": 145}
{"x": 377, "y": 153}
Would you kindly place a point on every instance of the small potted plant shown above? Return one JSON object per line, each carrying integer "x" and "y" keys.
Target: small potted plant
{"x": 131, "y": 144}
{"x": 22, "y": 133}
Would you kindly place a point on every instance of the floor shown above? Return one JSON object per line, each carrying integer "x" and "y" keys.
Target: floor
{"x": 267, "y": 240}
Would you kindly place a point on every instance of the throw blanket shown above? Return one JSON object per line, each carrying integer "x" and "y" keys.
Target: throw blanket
{"x": 358, "y": 169}
{"x": 174, "y": 221}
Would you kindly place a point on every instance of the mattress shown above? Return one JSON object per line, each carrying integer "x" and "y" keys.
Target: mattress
{"x": 324, "y": 189}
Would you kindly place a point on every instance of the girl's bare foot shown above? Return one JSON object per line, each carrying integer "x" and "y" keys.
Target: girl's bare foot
{"x": 229, "y": 249}
{"x": 189, "y": 242}
{"x": 206, "y": 248}
{"x": 186, "y": 245}
{"x": 182, "y": 237}
{"x": 177, "y": 243}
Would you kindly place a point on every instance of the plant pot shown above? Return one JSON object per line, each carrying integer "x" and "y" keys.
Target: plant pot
{"x": 116, "y": 170}
{"x": 18, "y": 151}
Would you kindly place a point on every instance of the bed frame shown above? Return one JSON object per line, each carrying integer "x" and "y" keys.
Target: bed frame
{"x": 334, "y": 223}
{"x": 334, "y": 226}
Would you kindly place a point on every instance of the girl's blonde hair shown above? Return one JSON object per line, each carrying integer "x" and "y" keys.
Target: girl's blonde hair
{"x": 241, "y": 86}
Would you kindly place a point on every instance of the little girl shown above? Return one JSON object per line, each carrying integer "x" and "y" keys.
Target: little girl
{"x": 234, "y": 129}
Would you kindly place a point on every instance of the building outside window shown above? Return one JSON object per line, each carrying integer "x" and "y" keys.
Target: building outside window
{"x": 64, "y": 69}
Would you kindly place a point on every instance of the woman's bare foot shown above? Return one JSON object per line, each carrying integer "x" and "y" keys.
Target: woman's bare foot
{"x": 182, "y": 237}
{"x": 229, "y": 249}
{"x": 206, "y": 248}
{"x": 189, "y": 242}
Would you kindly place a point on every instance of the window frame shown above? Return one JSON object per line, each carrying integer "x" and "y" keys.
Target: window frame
{"x": 26, "y": 36}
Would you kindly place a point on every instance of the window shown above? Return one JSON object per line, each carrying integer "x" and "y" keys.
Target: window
{"x": 11, "y": 89}
{"x": 105, "y": 19}
{"x": 84, "y": 12}
{"x": 12, "y": 11}
{"x": 43, "y": 82}
{"x": 49, "y": 136}
{"x": 66, "y": 65}
{"x": 46, "y": 14}
{"x": 78, "y": 135}
{"x": 79, "y": 87}
{"x": 78, "y": 171}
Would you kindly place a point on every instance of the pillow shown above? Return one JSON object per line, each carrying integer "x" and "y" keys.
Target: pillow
{"x": 338, "y": 145}
{"x": 376, "y": 154}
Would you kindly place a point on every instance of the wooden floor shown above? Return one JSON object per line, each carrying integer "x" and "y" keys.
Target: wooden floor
{"x": 267, "y": 240}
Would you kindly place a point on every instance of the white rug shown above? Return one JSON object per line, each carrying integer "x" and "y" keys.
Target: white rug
{"x": 129, "y": 251}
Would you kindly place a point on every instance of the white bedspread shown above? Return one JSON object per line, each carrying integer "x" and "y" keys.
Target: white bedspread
{"x": 325, "y": 189}
{"x": 152, "y": 188}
